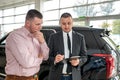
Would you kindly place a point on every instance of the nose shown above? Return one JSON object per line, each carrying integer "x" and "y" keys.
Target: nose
{"x": 66, "y": 26}
{"x": 40, "y": 26}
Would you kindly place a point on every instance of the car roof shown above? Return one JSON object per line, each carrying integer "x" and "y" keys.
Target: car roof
{"x": 92, "y": 35}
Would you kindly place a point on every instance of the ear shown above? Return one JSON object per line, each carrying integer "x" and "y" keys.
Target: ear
{"x": 28, "y": 23}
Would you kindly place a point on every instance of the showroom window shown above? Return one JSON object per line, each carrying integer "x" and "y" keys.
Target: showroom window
{"x": 79, "y": 9}
{"x": 13, "y": 18}
{"x": 96, "y": 13}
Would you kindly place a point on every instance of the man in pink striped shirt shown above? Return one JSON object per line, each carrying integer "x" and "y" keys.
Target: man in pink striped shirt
{"x": 26, "y": 49}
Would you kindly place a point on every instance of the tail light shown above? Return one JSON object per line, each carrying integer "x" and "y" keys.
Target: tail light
{"x": 109, "y": 63}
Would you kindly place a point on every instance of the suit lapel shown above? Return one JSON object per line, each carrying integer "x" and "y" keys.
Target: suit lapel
{"x": 73, "y": 42}
{"x": 60, "y": 42}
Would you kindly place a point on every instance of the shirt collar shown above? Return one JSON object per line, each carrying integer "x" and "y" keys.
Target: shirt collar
{"x": 27, "y": 32}
{"x": 70, "y": 33}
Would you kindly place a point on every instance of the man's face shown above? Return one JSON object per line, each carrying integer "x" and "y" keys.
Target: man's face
{"x": 66, "y": 24}
{"x": 35, "y": 25}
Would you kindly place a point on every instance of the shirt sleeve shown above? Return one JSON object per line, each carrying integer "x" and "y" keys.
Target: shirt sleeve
{"x": 44, "y": 50}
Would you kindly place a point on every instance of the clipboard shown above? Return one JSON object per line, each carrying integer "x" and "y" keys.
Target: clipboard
{"x": 74, "y": 57}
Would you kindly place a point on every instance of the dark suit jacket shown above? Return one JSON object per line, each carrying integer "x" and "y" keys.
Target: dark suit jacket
{"x": 57, "y": 47}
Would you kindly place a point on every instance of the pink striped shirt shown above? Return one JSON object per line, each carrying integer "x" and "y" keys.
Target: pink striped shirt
{"x": 22, "y": 51}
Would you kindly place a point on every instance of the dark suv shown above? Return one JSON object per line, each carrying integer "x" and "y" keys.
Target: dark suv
{"x": 103, "y": 55}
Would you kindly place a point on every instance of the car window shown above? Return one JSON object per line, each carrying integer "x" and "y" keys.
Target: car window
{"x": 110, "y": 42}
{"x": 3, "y": 43}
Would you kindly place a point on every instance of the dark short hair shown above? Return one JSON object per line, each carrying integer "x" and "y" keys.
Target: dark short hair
{"x": 31, "y": 14}
{"x": 65, "y": 15}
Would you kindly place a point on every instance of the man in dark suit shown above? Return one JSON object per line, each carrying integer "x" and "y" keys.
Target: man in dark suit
{"x": 67, "y": 48}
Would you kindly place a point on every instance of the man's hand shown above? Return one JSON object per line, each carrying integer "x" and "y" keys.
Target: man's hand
{"x": 74, "y": 62}
{"x": 40, "y": 55}
{"x": 59, "y": 58}
{"x": 39, "y": 36}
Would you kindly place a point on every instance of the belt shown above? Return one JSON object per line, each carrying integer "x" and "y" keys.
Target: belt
{"x": 66, "y": 74}
{"x": 35, "y": 77}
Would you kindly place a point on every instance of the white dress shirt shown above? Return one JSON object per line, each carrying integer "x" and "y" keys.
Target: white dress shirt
{"x": 66, "y": 50}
